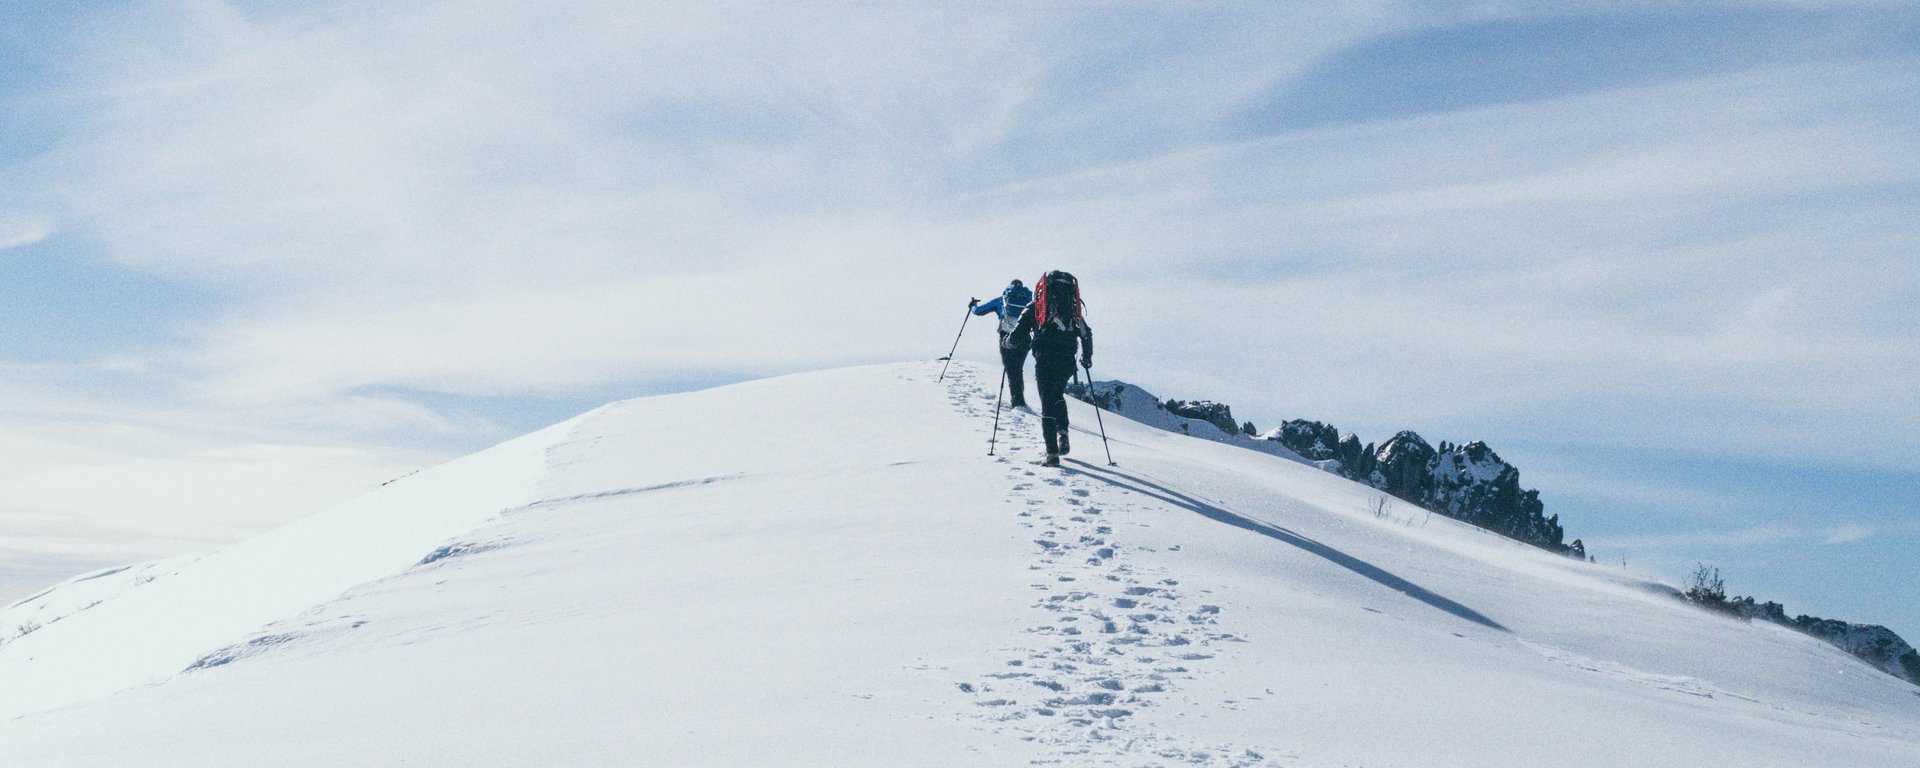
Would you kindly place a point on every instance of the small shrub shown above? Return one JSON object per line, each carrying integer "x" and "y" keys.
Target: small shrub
{"x": 1708, "y": 590}
{"x": 1706, "y": 587}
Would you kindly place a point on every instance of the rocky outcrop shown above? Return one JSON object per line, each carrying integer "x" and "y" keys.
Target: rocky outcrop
{"x": 1325, "y": 447}
{"x": 1403, "y": 468}
{"x": 1313, "y": 440}
{"x": 1111, "y": 395}
{"x": 1472, "y": 483}
{"x": 1466, "y": 482}
{"x": 1217, "y": 414}
{"x": 1871, "y": 643}
{"x": 1199, "y": 418}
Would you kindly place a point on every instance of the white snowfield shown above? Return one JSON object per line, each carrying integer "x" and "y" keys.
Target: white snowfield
{"x": 828, "y": 570}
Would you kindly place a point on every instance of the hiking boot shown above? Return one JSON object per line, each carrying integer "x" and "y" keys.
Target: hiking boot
{"x": 1052, "y": 460}
{"x": 1065, "y": 447}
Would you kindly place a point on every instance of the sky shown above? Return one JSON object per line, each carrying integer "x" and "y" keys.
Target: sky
{"x": 257, "y": 258}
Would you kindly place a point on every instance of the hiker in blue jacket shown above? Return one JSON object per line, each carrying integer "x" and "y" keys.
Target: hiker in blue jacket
{"x": 1009, "y": 304}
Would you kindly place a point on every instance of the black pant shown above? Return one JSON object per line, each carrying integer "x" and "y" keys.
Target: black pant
{"x": 1015, "y": 361}
{"x": 1050, "y": 374}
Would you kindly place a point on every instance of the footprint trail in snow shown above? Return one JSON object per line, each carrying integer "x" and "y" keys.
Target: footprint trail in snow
{"x": 1110, "y": 639}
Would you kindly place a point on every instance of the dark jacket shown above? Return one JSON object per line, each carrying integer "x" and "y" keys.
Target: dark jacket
{"x": 1058, "y": 337}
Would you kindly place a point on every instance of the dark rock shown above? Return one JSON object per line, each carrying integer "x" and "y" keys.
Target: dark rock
{"x": 1403, "y": 467}
{"x": 1871, "y": 643}
{"x": 1313, "y": 440}
{"x": 1472, "y": 483}
{"x": 1217, "y": 414}
{"x": 1874, "y": 644}
{"x": 1356, "y": 461}
{"x": 1107, "y": 395}
{"x": 1467, "y": 482}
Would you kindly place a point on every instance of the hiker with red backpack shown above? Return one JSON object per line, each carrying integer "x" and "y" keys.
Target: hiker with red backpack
{"x": 1055, "y": 327}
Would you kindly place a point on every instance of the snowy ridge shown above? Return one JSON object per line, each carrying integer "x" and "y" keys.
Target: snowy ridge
{"x": 826, "y": 569}
{"x": 79, "y": 593}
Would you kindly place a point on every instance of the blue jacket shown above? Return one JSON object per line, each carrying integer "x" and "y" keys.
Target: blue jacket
{"x": 1010, "y": 303}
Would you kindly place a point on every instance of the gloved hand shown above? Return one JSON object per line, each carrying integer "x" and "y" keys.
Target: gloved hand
{"x": 973, "y": 303}
{"x": 1086, "y": 361}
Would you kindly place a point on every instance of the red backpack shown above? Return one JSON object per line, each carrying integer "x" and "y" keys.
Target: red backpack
{"x": 1058, "y": 299}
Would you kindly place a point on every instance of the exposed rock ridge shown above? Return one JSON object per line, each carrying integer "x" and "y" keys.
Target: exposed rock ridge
{"x": 1465, "y": 482}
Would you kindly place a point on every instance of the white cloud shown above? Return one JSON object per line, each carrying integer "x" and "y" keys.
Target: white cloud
{"x": 91, "y": 479}
{"x": 89, "y": 494}
{"x": 1751, "y": 536}
{"x": 1694, "y": 541}
{"x": 447, "y": 145}
{"x": 1848, "y": 534}
{"x": 1467, "y": 268}
{"x": 15, "y": 234}
{"x": 436, "y": 195}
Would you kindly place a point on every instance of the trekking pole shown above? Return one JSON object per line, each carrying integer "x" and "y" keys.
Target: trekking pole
{"x": 1096, "y": 415}
{"x": 956, "y": 343}
{"x": 996, "y": 411}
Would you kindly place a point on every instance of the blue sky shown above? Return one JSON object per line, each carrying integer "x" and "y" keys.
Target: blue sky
{"x": 258, "y": 257}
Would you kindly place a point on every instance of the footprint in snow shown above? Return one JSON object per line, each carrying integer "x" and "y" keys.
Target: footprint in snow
{"x": 1114, "y": 665}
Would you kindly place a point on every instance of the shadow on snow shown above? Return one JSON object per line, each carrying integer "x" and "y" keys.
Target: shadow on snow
{"x": 1342, "y": 559}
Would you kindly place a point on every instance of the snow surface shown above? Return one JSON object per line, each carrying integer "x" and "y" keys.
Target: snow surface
{"x": 827, "y": 569}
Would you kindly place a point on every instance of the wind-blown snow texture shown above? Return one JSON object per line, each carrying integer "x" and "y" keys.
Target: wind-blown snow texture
{"x": 826, "y": 569}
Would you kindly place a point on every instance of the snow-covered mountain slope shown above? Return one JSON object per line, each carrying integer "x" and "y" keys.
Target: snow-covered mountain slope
{"x": 827, "y": 569}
